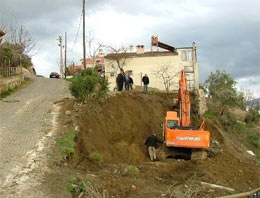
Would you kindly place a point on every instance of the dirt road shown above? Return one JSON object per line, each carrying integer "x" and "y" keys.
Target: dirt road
{"x": 27, "y": 121}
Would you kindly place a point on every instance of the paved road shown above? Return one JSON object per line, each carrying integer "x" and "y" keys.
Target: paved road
{"x": 26, "y": 117}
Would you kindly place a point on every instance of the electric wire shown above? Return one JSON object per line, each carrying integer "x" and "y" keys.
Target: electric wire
{"x": 76, "y": 38}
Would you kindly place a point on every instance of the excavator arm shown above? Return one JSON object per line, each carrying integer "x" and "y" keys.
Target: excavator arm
{"x": 157, "y": 43}
{"x": 184, "y": 100}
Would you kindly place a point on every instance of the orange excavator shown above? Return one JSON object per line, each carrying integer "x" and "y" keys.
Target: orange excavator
{"x": 181, "y": 139}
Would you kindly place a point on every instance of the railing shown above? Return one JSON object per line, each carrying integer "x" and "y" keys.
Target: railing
{"x": 6, "y": 71}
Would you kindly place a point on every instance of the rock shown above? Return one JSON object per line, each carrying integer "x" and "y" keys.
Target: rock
{"x": 133, "y": 186}
{"x": 251, "y": 153}
{"x": 68, "y": 112}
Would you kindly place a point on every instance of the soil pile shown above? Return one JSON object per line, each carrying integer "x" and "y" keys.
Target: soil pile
{"x": 118, "y": 127}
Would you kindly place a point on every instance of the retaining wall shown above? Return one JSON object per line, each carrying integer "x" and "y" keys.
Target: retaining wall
{"x": 10, "y": 82}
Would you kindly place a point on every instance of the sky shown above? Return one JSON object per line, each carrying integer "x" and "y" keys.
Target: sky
{"x": 227, "y": 32}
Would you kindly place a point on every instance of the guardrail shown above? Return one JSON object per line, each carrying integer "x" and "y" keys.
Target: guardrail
{"x": 6, "y": 71}
{"x": 251, "y": 194}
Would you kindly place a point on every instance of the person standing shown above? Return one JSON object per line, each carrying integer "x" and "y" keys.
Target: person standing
{"x": 146, "y": 82}
{"x": 151, "y": 144}
{"x": 120, "y": 80}
{"x": 131, "y": 82}
{"x": 127, "y": 82}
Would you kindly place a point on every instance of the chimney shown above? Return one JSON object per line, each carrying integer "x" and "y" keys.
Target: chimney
{"x": 100, "y": 53}
{"x": 131, "y": 48}
{"x": 140, "y": 49}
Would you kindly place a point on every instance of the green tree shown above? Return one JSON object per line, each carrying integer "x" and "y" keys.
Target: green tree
{"x": 221, "y": 88}
{"x": 88, "y": 83}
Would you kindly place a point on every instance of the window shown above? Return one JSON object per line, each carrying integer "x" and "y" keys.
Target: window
{"x": 130, "y": 72}
{"x": 186, "y": 55}
{"x": 172, "y": 124}
{"x": 188, "y": 69}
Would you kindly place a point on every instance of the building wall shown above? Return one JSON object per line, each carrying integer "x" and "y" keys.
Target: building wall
{"x": 141, "y": 65}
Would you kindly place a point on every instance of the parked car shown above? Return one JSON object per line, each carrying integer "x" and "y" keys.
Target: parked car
{"x": 54, "y": 75}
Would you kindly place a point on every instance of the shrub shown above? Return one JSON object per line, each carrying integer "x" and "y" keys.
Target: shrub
{"x": 253, "y": 116}
{"x": 209, "y": 114}
{"x": 88, "y": 83}
{"x": 96, "y": 157}
{"x": 76, "y": 185}
{"x": 67, "y": 144}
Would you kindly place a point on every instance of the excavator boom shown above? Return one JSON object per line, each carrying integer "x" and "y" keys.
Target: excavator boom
{"x": 157, "y": 43}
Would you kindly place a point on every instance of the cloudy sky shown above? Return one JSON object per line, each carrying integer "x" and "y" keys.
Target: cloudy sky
{"x": 227, "y": 32}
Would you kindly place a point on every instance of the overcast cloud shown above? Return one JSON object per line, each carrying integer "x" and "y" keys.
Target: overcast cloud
{"x": 227, "y": 32}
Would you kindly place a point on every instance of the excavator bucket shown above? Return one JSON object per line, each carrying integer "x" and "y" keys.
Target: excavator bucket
{"x": 187, "y": 138}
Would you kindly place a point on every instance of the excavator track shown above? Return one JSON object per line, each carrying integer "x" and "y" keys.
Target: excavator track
{"x": 199, "y": 154}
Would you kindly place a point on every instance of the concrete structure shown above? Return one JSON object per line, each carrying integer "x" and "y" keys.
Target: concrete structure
{"x": 155, "y": 64}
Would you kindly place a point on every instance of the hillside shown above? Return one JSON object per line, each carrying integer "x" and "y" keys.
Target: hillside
{"x": 115, "y": 130}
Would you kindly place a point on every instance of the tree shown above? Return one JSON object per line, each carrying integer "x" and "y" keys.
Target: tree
{"x": 93, "y": 48}
{"x": 118, "y": 55}
{"x": 221, "y": 88}
{"x": 166, "y": 73}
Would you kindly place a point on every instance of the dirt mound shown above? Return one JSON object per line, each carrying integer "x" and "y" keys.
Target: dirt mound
{"x": 117, "y": 128}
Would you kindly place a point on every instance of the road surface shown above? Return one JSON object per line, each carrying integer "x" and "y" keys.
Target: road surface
{"x": 27, "y": 121}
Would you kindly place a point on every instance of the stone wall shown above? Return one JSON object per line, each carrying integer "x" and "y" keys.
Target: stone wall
{"x": 10, "y": 82}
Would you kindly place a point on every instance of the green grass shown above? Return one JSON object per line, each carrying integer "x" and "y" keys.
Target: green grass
{"x": 133, "y": 171}
{"x": 96, "y": 157}
{"x": 67, "y": 144}
{"x": 77, "y": 186}
{"x": 209, "y": 114}
{"x": 10, "y": 91}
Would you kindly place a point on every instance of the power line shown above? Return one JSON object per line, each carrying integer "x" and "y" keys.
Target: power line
{"x": 76, "y": 38}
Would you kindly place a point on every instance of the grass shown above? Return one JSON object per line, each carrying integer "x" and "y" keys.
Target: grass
{"x": 96, "y": 157}
{"x": 133, "y": 171}
{"x": 79, "y": 187}
{"x": 67, "y": 144}
{"x": 12, "y": 90}
{"x": 209, "y": 114}
{"x": 76, "y": 185}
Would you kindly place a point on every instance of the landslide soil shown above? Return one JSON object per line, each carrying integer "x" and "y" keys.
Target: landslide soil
{"x": 117, "y": 128}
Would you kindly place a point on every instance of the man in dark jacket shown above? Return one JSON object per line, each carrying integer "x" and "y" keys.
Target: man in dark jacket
{"x": 151, "y": 144}
{"x": 120, "y": 80}
{"x": 146, "y": 82}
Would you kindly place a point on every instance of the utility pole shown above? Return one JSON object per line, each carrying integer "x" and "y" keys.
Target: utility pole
{"x": 84, "y": 38}
{"x": 61, "y": 58}
{"x": 65, "y": 58}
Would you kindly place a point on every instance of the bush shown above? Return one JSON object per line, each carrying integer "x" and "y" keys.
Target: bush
{"x": 96, "y": 157}
{"x": 253, "y": 116}
{"x": 77, "y": 186}
{"x": 209, "y": 114}
{"x": 88, "y": 83}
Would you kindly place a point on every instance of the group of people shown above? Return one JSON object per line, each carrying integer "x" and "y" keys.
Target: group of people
{"x": 125, "y": 80}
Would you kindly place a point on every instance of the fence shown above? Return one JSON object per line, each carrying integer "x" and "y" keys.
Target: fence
{"x": 6, "y": 71}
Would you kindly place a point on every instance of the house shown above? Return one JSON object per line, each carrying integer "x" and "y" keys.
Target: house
{"x": 97, "y": 61}
{"x": 162, "y": 67}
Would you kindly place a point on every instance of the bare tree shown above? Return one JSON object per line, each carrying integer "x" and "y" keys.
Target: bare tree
{"x": 166, "y": 74}
{"x": 21, "y": 37}
{"x": 118, "y": 55}
{"x": 94, "y": 46}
